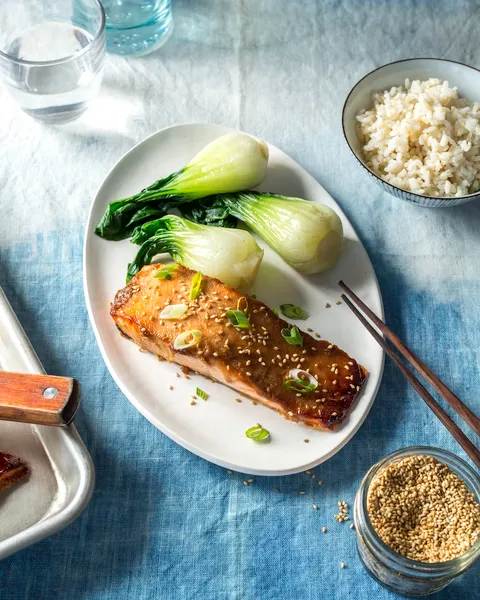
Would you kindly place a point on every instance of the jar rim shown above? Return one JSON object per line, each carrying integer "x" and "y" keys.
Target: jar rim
{"x": 468, "y": 476}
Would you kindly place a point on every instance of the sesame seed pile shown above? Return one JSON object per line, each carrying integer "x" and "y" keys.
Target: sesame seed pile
{"x": 342, "y": 514}
{"x": 421, "y": 509}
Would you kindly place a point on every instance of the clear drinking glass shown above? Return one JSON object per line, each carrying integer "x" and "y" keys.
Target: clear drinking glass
{"x": 137, "y": 26}
{"x": 394, "y": 571}
{"x": 51, "y": 55}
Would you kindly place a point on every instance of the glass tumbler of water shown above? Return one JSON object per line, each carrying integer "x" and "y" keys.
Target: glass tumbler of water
{"x": 137, "y": 26}
{"x": 51, "y": 55}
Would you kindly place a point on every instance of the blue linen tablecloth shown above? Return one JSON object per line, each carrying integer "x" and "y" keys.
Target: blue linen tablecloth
{"x": 163, "y": 523}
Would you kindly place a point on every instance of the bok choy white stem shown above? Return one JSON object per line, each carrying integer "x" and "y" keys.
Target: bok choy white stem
{"x": 230, "y": 163}
{"x": 307, "y": 235}
{"x": 231, "y": 255}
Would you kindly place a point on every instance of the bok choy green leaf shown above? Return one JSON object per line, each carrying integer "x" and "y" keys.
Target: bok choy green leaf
{"x": 228, "y": 164}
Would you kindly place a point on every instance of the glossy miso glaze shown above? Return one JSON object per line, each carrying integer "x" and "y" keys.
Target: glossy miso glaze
{"x": 255, "y": 361}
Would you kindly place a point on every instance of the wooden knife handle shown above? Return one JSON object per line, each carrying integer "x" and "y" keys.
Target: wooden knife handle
{"x": 38, "y": 399}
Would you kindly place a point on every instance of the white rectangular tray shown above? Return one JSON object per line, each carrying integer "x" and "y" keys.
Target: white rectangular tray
{"x": 61, "y": 471}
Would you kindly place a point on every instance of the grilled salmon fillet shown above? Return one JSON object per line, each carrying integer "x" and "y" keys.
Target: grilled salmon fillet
{"x": 12, "y": 470}
{"x": 254, "y": 361}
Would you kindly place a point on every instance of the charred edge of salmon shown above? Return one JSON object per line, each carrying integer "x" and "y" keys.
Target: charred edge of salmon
{"x": 333, "y": 421}
{"x": 12, "y": 470}
{"x": 122, "y": 333}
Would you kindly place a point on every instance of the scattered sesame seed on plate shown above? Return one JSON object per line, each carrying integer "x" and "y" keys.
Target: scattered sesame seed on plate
{"x": 324, "y": 529}
{"x": 327, "y": 305}
{"x": 306, "y": 440}
{"x": 315, "y": 507}
{"x": 170, "y": 387}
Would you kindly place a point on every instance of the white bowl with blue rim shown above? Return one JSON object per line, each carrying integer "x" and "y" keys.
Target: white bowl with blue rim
{"x": 465, "y": 78}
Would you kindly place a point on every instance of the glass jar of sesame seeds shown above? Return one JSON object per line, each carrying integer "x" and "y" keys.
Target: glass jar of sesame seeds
{"x": 388, "y": 567}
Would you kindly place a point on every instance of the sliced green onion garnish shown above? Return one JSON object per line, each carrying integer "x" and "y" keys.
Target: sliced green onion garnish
{"x": 201, "y": 394}
{"x": 238, "y": 319}
{"x": 292, "y": 336}
{"x": 298, "y": 385}
{"x": 254, "y": 296}
{"x": 187, "y": 339}
{"x": 275, "y": 311}
{"x": 173, "y": 311}
{"x": 166, "y": 271}
{"x": 239, "y": 304}
{"x": 258, "y": 433}
{"x": 293, "y": 312}
{"x": 196, "y": 285}
{"x": 304, "y": 376}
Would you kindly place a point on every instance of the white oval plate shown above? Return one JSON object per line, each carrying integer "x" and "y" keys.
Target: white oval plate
{"x": 215, "y": 429}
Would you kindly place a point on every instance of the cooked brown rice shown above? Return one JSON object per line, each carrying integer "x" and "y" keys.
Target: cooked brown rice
{"x": 424, "y": 138}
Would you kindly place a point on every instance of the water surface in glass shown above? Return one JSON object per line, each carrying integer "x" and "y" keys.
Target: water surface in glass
{"x": 51, "y": 56}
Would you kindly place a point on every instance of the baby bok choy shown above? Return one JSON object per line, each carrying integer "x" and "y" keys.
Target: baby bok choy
{"x": 231, "y": 255}
{"x": 307, "y": 235}
{"x": 230, "y": 163}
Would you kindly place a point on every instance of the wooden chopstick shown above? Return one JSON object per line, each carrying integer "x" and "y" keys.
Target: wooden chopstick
{"x": 452, "y": 427}
{"x": 458, "y": 406}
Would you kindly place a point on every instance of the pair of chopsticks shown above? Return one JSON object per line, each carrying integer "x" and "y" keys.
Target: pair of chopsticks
{"x": 458, "y": 406}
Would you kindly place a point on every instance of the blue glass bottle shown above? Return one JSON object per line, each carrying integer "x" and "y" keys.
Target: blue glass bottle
{"x": 137, "y": 26}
